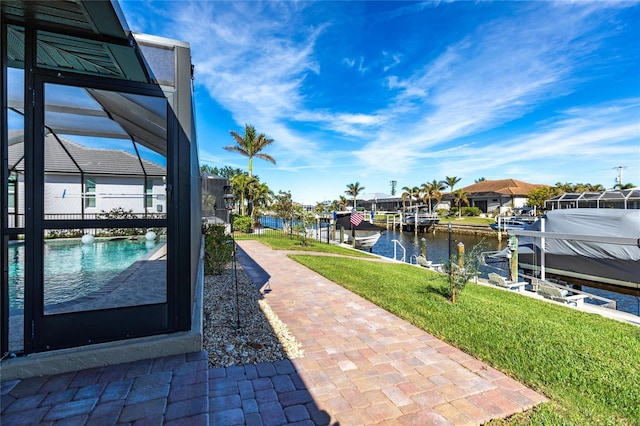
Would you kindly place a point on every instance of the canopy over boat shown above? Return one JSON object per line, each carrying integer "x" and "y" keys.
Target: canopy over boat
{"x": 614, "y": 259}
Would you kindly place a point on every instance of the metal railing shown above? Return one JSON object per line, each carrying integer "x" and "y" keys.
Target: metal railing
{"x": 397, "y": 243}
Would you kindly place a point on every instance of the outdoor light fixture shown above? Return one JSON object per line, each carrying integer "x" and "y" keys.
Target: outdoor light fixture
{"x": 230, "y": 202}
{"x": 228, "y": 197}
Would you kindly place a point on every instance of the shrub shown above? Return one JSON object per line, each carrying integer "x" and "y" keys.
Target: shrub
{"x": 118, "y": 213}
{"x": 242, "y": 224}
{"x": 218, "y": 249}
{"x": 471, "y": 211}
{"x": 443, "y": 212}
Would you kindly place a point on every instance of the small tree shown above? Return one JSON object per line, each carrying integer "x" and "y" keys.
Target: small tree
{"x": 462, "y": 270}
{"x": 302, "y": 221}
{"x": 282, "y": 206}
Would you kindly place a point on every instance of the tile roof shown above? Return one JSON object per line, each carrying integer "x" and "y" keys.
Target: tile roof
{"x": 70, "y": 157}
{"x": 502, "y": 186}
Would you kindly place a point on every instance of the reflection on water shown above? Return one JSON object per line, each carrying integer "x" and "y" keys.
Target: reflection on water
{"x": 437, "y": 244}
{"x": 73, "y": 269}
{"x": 438, "y": 249}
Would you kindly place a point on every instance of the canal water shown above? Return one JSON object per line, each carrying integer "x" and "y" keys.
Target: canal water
{"x": 438, "y": 249}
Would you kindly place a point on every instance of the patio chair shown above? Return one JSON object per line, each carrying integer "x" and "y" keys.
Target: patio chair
{"x": 550, "y": 291}
{"x": 500, "y": 281}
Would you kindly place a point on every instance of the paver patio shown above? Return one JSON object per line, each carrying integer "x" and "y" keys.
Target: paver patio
{"x": 362, "y": 365}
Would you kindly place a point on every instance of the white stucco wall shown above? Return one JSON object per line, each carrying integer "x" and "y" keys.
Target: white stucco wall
{"x": 63, "y": 194}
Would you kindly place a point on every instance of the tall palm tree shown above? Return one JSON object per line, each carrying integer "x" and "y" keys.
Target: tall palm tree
{"x": 250, "y": 145}
{"x": 451, "y": 181}
{"x": 431, "y": 190}
{"x": 410, "y": 193}
{"x": 354, "y": 189}
{"x": 460, "y": 196}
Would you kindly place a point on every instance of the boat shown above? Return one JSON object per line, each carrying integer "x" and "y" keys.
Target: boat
{"x": 366, "y": 233}
{"x": 420, "y": 217}
{"x": 521, "y": 218}
{"x": 588, "y": 245}
{"x": 506, "y": 223}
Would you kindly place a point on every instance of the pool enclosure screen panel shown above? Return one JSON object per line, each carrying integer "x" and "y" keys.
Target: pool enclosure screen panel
{"x": 103, "y": 250}
{"x": 97, "y": 159}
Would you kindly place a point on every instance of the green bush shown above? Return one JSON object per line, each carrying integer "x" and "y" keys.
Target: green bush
{"x": 443, "y": 212}
{"x": 471, "y": 211}
{"x": 242, "y": 224}
{"x": 218, "y": 249}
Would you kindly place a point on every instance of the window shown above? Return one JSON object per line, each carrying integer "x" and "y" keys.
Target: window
{"x": 148, "y": 192}
{"x": 90, "y": 192}
{"x": 12, "y": 191}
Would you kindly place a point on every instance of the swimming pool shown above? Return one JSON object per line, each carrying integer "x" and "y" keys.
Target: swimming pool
{"x": 73, "y": 269}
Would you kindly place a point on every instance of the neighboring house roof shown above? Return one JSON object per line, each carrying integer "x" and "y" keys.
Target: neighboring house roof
{"x": 69, "y": 157}
{"x": 502, "y": 187}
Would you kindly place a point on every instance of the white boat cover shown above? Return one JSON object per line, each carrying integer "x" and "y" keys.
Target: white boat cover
{"x": 614, "y": 261}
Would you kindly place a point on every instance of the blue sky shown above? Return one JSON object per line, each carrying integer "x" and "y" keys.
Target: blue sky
{"x": 372, "y": 92}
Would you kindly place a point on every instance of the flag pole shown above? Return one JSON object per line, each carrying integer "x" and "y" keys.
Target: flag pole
{"x": 353, "y": 233}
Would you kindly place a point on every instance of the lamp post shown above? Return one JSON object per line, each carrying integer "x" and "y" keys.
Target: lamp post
{"x": 450, "y": 265}
{"x": 230, "y": 202}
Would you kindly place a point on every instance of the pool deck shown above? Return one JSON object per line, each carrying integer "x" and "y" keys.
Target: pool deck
{"x": 362, "y": 365}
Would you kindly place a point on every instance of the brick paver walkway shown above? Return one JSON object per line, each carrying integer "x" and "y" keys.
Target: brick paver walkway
{"x": 362, "y": 366}
{"x": 170, "y": 390}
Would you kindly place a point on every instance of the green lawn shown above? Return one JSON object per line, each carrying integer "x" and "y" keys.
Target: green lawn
{"x": 286, "y": 243}
{"x": 587, "y": 365}
{"x": 466, "y": 220}
{"x": 470, "y": 220}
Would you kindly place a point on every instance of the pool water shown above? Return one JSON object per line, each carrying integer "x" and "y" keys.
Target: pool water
{"x": 73, "y": 269}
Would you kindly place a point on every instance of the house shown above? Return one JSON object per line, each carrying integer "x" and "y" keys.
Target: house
{"x": 82, "y": 182}
{"x": 497, "y": 196}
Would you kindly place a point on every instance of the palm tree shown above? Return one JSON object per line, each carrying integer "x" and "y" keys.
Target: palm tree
{"x": 341, "y": 203}
{"x": 432, "y": 190}
{"x": 354, "y": 189}
{"x": 625, "y": 186}
{"x": 451, "y": 181}
{"x": 565, "y": 187}
{"x": 482, "y": 179}
{"x": 410, "y": 193}
{"x": 241, "y": 185}
{"x": 460, "y": 196}
{"x": 250, "y": 145}
{"x": 259, "y": 196}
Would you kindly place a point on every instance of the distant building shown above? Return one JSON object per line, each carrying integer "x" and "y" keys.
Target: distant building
{"x": 497, "y": 196}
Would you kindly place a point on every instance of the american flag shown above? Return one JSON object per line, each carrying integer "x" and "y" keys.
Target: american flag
{"x": 356, "y": 218}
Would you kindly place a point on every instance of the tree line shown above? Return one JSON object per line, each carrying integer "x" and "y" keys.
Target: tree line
{"x": 255, "y": 197}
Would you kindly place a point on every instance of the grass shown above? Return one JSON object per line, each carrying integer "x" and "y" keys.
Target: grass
{"x": 286, "y": 243}
{"x": 469, "y": 220}
{"x": 587, "y": 365}
{"x": 466, "y": 220}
